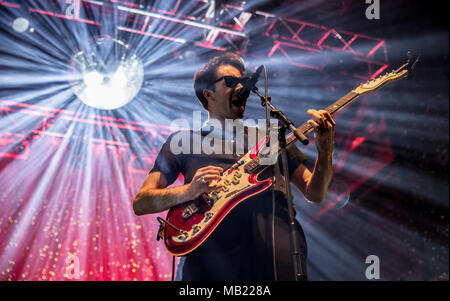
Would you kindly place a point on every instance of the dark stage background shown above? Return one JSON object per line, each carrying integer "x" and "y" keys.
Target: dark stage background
{"x": 69, "y": 171}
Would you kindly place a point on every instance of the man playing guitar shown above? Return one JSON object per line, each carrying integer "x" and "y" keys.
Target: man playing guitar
{"x": 253, "y": 241}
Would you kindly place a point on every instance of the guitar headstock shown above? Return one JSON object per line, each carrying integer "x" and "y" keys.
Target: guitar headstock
{"x": 381, "y": 80}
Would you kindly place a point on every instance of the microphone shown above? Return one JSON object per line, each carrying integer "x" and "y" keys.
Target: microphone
{"x": 249, "y": 85}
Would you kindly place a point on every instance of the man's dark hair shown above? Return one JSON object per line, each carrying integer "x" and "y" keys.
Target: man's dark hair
{"x": 207, "y": 74}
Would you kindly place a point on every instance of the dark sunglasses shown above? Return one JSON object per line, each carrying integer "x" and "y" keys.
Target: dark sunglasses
{"x": 230, "y": 81}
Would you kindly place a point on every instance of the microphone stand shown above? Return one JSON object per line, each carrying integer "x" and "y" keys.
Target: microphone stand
{"x": 285, "y": 124}
{"x": 283, "y": 119}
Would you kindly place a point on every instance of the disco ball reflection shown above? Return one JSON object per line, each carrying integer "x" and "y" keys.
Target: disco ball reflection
{"x": 106, "y": 74}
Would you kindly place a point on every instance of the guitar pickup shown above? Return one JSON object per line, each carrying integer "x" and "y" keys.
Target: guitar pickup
{"x": 189, "y": 211}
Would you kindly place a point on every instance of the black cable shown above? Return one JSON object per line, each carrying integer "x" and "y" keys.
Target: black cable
{"x": 274, "y": 260}
{"x": 161, "y": 220}
{"x": 173, "y": 268}
{"x": 275, "y": 272}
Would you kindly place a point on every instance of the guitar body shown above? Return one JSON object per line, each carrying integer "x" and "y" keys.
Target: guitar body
{"x": 197, "y": 219}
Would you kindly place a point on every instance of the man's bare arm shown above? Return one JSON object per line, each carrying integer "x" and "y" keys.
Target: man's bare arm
{"x": 314, "y": 185}
{"x": 154, "y": 197}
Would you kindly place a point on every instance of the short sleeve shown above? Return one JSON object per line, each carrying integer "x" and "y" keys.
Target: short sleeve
{"x": 168, "y": 163}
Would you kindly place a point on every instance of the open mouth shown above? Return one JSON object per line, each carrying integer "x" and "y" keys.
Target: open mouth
{"x": 238, "y": 103}
{"x": 235, "y": 101}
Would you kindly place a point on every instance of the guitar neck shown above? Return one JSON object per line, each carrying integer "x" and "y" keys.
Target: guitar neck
{"x": 306, "y": 128}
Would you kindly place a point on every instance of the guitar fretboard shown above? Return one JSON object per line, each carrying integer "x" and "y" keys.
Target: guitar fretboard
{"x": 306, "y": 128}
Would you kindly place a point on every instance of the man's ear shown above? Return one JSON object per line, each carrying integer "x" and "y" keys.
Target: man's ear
{"x": 208, "y": 94}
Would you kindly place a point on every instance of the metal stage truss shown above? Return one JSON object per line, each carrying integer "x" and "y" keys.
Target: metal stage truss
{"x": 299, "y": 42}
{"x": 289, "y": 38}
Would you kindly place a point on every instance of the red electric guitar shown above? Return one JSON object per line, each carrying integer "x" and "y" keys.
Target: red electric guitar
{"x": 189, "y": 224}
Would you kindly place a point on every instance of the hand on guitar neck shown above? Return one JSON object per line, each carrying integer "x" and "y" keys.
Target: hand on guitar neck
{"x": 324, "y": 127}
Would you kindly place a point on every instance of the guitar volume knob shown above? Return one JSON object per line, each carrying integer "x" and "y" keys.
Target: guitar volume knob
{"x": 195, "y": 229}
{"x": 208, "y": 216}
